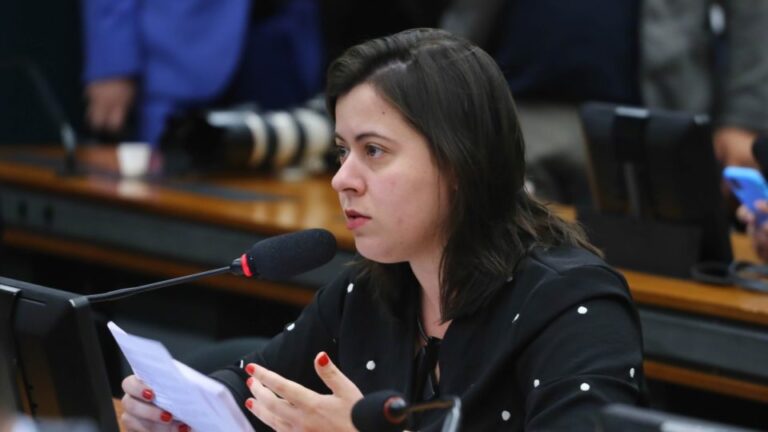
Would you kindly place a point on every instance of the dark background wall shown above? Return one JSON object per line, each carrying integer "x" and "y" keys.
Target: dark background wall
{"x": 45, "y": 33}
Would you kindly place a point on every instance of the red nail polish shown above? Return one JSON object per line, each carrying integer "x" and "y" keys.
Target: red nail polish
{"x": 249, "y": 403}
{"x": 147, "y": 394}
{"x": 249, "y": 381}
{"x": 166, "y": 416}
{"x": 184, "y": 428}
{"x": 250, "y": 368}
{"x": 323, "y": 360}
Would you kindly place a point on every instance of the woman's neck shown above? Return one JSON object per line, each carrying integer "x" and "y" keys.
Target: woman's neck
{"x": 427, "y": 272}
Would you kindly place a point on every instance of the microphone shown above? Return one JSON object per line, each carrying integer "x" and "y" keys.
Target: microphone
{"x": 760, "y": 153}
{"x": 54, "y": 111}
{"x": 277, "y": 257}
{"x": 387, "y": 411}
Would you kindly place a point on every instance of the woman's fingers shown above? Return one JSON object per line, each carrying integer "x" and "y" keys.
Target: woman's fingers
{"x": 339, "y": 384}
{"x": 138, "y": 401}
{"x": 144, "y": 410}
{"x": 140, "y": 412}
{"x": 133, "y": 386}
{"x": 285, "y": 405}
{"x": 135, "y": 424}
{"x": 275, "y": 412}
{"x": 293, "y": 392}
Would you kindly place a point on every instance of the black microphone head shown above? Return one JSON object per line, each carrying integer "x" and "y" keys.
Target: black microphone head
{"x": 290, "y": 254}
{"x": 381, "y": 411}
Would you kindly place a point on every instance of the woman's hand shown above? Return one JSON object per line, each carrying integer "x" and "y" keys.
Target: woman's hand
{"x": 285, "y": 405}
{"x": 141, "y": 415}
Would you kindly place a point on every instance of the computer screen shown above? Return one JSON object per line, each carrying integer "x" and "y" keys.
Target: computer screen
{"x": 50, "y": 358}
{"x": 655, "y": 172}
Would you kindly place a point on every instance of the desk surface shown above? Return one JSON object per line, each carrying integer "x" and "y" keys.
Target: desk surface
{"x": 290, "y": 206}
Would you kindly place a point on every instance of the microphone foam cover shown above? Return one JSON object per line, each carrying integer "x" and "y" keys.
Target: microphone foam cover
{"x": 287, "y": 255}
{"x": 369, "y": 413}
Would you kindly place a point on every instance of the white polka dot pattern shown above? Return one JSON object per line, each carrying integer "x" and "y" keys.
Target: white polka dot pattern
{"x": 584, "y": 387}
{"x": 536, "y": 383}
{"x": 350, "y": 287}
{"x": 290, "y": 326}
{"x": 371, "y": 365}
{"x": 631, "y": 372}
{"x": 505, "y": 415}
{"x": 582, "y": 310}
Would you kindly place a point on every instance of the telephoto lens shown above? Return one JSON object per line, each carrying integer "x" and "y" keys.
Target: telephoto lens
{"x": 244, "y": 139}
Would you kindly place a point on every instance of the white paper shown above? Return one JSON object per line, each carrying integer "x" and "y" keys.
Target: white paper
{"x": 193, "y": 398}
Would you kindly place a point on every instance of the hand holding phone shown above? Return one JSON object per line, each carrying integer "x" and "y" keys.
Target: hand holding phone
{"x": 749, "y": 186}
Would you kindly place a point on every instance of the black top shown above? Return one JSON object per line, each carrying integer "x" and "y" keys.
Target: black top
{"x": 560, "y": 339}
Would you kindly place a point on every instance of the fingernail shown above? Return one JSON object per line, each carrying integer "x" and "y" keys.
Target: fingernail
{"x": 323, "y": 360}
{"x": 249, "y": 382}
{"x": 184, "y": 428}
{"x": 166, "y": 416}
{"x": 147, "y": 394}
{"x": 249, "y": 403}
{"x": 250, "y": 368}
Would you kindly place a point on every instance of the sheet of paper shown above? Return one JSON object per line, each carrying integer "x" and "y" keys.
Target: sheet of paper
{"x": 197, "y": 400}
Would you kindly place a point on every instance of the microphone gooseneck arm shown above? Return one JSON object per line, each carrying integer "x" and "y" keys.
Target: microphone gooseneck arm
{"x": 52, "y": 108}
{"x": 277, "y": 257}
{"x": 127, "y": 292}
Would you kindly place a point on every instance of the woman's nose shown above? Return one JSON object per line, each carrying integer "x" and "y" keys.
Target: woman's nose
{"x": 347, "y": 178}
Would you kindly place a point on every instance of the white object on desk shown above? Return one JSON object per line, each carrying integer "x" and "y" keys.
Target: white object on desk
{"x": 133, "y": 158}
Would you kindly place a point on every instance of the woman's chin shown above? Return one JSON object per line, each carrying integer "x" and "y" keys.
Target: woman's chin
{"x": 375, "y": 252}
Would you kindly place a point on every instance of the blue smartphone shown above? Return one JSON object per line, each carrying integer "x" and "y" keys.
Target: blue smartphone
{"x": 749, "y": 186}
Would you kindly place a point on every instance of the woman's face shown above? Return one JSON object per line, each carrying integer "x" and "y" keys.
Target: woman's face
{"x": 394, "y": 198}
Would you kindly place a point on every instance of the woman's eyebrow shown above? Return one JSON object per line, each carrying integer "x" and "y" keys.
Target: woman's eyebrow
{"x": 364, "y": 135}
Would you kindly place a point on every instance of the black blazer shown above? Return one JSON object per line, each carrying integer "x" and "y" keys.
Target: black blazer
{"x": 560, "y": 339}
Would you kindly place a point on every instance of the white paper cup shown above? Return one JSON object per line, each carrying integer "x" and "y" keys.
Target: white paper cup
{"x": 133, "y": 158}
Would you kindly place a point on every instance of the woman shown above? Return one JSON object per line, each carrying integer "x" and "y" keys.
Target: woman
{"x": 467, "y": 286}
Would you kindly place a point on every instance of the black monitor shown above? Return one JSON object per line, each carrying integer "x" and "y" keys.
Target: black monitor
{"x": 51, "y": 363}
{"x": 655, "y": 183}
{"x": 625, "y": 418}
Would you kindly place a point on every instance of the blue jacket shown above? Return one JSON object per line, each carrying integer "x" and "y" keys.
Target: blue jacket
{"x": 187, "y": 52}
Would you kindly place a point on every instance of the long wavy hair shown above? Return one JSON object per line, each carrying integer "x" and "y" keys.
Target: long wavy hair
{"x": 454, "y": 93}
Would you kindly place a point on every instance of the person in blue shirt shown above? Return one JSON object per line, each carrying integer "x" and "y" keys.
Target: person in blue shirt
{"x": 164, "y": 55}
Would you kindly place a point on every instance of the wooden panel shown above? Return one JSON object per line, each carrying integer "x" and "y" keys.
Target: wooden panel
{"x": 117, "y": 403}
{"x": 729, "y": 302}
{"x": 704, "y": 381}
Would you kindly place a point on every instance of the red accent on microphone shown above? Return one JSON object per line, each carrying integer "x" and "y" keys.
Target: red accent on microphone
{"x": 393, "y": 419}
{"x": 244, "y": 265}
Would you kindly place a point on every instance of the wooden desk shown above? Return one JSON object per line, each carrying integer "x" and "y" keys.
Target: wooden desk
{"x": 118, "y": 413}
{"x": 701, "y": 336}
{"x": 158, "y": 227}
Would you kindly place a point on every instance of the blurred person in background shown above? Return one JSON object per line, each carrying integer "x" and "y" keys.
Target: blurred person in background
{"x": 161, "y": 56}
{"x": 699, "y": 56}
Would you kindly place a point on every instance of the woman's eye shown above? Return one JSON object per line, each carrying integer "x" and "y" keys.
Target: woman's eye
{"x": 341, "y": 153}
{"x": 372, "y": 150}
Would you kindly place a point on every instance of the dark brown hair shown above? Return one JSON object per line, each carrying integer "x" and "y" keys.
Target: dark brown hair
{"x": 455, "y": 95}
